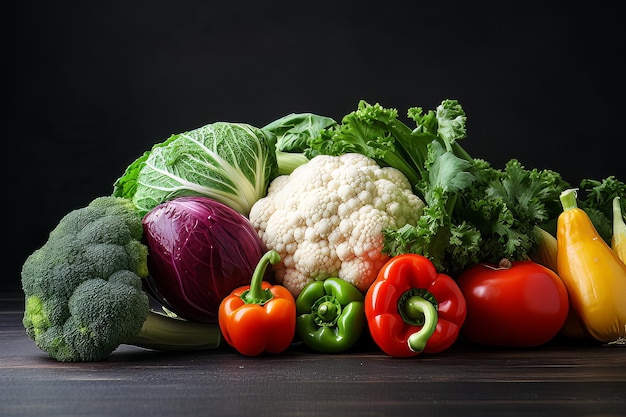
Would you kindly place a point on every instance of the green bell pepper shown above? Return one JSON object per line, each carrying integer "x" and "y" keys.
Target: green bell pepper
{"x": 330, "y": 315}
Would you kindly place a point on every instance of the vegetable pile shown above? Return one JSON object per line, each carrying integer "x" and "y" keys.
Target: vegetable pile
{"x": 322, "y": 233}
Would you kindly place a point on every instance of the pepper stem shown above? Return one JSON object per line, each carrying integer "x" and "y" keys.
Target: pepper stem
{"x": 415, "y": 307}
{"x": 326, "y": 311}
{"x": 256, "y": 294}
{"x": 568, "y": 199}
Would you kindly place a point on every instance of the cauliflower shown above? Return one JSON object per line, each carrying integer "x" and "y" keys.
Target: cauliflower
{"x": 327, "y": 219}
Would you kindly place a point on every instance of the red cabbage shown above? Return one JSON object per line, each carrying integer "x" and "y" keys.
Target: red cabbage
{"x": 199, "y": 250}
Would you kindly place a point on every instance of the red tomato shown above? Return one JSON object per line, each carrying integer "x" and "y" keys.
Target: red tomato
{"x": 522, "y": 306}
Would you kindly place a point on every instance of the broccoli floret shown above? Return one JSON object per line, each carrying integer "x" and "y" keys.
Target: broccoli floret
{"x": 83, "y": 289}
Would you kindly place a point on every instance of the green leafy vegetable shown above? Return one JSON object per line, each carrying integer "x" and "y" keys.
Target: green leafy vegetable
{"x": 597, "y": 201}
{"x": 473, "y": 212}
{"x": 374, "y": 132}
{"x": 232, "y": 163}
{"x": 294, "y": 133}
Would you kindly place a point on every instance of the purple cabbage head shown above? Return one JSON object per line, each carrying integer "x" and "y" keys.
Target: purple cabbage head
{"x": 199, "y": 250}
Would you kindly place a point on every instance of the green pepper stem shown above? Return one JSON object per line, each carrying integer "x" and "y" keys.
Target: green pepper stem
{"x": 417, "y": 305}
{"x": 568, "y": 199}
{"x": 255, "y": 294}
{"x": 326, "y": 310}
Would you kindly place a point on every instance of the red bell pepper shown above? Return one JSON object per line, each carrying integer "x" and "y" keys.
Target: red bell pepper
{"x": 411, "y": 308}
{"x": 259, "y": 317}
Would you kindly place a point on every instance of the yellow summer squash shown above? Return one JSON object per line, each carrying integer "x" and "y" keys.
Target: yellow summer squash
{"x": 594, "y": 275}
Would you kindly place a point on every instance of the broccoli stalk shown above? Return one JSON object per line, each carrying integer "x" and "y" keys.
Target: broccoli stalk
{"x": 162, "y": 332}
{"x": 83, "y": 289}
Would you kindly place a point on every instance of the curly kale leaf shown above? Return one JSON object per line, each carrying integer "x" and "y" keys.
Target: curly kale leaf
{"x": 596, "y": 199}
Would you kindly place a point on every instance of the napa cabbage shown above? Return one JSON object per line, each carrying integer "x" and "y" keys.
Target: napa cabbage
{"x": 232, "y": 163}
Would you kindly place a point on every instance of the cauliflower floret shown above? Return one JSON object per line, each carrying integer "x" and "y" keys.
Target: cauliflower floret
{"x": 327, "y": 219}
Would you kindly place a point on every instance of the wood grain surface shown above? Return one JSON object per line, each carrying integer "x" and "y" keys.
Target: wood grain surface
{"x": 554, "y": 380}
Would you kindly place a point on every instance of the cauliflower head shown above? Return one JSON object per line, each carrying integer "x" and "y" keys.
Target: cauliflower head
{"x": 327, "y": 219}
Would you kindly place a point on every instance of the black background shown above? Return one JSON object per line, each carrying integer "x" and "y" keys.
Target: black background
{"x": 92, "y": 85}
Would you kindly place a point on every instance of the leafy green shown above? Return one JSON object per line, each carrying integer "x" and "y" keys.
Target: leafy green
{"x": 293, "y": 134}
{"x": 374, "y": 132}
{"x": 474, "y": 212}
{"x": 232, "y": 163}
{"x": 294, "y": 131}
{"x": 288, "y": 161}
{"x": 596, "y": 199}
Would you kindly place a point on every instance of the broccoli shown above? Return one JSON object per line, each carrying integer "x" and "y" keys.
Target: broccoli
{"x": 83, "y": 289}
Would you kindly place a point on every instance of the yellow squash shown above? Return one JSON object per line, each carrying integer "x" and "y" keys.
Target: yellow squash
{"x": 545, "y": 254}
{"x": 594, "y": 275}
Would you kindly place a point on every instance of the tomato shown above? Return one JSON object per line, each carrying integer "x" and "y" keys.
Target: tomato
{"x": 523, "y": 304}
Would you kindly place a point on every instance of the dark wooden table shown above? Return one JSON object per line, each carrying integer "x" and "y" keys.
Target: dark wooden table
{"x": 554, "y": 380}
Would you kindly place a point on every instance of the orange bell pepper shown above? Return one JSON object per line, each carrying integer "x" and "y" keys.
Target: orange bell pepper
{"x": 259, "y": 317}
